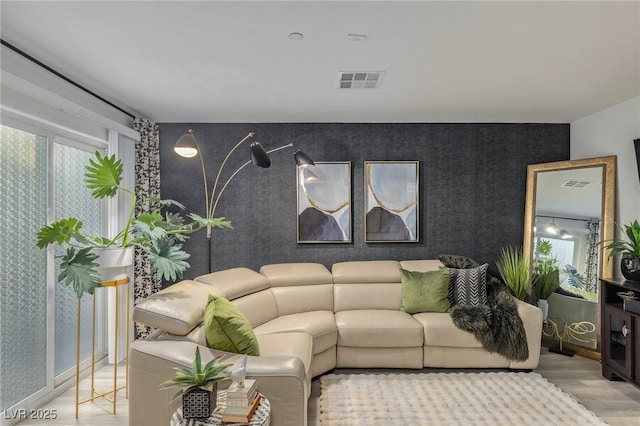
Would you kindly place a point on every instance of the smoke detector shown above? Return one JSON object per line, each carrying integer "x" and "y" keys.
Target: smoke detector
{"x": 360, "y": 79}
{"x": 295, "y": 36}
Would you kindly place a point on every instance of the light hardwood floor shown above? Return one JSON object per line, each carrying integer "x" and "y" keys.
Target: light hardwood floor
{"x": 617, "y": 403}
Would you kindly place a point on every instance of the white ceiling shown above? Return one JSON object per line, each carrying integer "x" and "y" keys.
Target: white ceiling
{"x": 178, "y": 61}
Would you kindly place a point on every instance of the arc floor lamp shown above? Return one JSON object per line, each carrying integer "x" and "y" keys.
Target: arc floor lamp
{"x": 187, "y": 146}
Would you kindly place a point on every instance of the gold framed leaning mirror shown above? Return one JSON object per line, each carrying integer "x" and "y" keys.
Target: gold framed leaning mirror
{"x": 570, "y": 207}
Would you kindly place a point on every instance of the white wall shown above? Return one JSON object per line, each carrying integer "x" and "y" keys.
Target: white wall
{"x": 611, "y": 132}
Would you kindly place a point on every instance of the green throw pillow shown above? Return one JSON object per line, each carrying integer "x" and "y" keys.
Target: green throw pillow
{"x": 227, "y": 329}
{"x": 425, "y": 291}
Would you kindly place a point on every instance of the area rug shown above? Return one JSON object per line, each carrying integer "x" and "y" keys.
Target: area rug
{"x": 496, "y": 398}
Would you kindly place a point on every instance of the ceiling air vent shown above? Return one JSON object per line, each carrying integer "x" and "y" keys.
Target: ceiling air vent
{"x": 360, "y": 79}
{"x": 571, "y": 183}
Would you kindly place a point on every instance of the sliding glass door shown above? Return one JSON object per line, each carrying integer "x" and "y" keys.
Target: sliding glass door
{"x": 23, "y": 267}
{"x": 41, "y": 180}
{"x": 72, "y": 198}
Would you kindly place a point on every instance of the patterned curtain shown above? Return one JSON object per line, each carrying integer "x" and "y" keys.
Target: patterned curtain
{"x": 592, "y": 255}
{"x": 147, "y": 171}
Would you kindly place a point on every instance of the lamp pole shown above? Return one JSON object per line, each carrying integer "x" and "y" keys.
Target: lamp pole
{"x": 188, "y": 146}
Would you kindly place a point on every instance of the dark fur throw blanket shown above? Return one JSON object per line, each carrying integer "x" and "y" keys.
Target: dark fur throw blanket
{"x": 496, "y": 325}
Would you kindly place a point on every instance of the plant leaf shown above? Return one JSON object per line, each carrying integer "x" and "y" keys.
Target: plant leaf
{"x": 514, "y": 270}
{"x": 211, "y": 364}
{"x": 216, "y": 222}
{"x": 79, "y": 270}
{"x": 197, "y": 377}
{"x": 168, "y": 259}
{"x": 146, "y": 230}
{"x": 575, "y": 279}
{"x": 103, "y": 175}
{"x": 59, "y": 232}
{"x": 633, "y": 232}
{"x": 197, "y": 363}
{"x": 166, "y": 203}
{"x": 174, "y": 220}
{"x": 150, "y": 218}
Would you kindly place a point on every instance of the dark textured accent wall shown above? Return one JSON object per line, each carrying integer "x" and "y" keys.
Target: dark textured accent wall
{"x": 472, "y": 187}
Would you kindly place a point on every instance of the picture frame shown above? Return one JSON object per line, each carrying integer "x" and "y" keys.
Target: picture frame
{"x": 391, "y": 201}
{"x": 324, "y": 207}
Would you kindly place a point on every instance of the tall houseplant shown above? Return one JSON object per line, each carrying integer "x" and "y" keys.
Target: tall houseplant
{"x": 628, "y": 250}
{"x": 158, "y": 234}
{"x": 514, "y": 270}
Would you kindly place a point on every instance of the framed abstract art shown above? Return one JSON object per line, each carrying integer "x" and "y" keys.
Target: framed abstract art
{"x": 324, "y": 202}
{"x": 391, "y": 201}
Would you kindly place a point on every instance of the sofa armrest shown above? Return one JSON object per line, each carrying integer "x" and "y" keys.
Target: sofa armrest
{"x": 151, "y": 362}
{"x": 532, "y": 320}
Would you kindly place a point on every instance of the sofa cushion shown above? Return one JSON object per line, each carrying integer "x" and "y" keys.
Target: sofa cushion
{"x": 425, "y": 291}
{"x": 367, "y": 285}
{"x": 226, "y": 329}
{"x": 300, "y": 287}
{"x": 258, "y": 307}
{"x": 235, "y": 282}
{"x": 321, "y": 325}
{"x": 176, "y": 309}
{"x": 423, "y": 265}
{"x": 303, "y": 298}
{"x": 374, "y": 271}
{"x": 439, "y": 330}
{"x": 468, "y": 286}
{"x": 294, "y": 274}
{"x": 287, "y": 344}
{"x": 279, "y": 345}
{"x": 378, "y": 328}
{"x": 385, "y": 296}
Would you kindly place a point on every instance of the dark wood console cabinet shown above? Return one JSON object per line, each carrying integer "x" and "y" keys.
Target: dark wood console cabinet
{"x": 620, "y": 333}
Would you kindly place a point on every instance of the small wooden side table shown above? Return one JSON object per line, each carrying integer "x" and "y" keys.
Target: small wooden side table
{"x": 261, "y": 417}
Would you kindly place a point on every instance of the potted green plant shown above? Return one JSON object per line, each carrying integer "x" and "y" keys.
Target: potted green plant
{"x": 198, "y": 386}
{"x": 629, "y": 250}
{"x": 91, "y": 259}
{"x": 514, "y": 270}
{"x": 546, "y": 274}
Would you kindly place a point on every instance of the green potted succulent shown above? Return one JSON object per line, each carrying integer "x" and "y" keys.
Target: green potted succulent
{"x": 628, "y": 250}
{"x": 514, "y": 270}
{"x": 546, "y": 274}
{"x": 92, "y": 259}
{"x": 198, "y": 386}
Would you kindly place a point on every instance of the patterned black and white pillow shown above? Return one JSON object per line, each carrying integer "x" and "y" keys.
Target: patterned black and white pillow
{"x": 468, "y": 286}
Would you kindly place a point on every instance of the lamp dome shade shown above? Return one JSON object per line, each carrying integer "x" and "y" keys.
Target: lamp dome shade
{"x": 302, "y": 159}
{"x": 553, "y": 228}
{"x": 259, "y": 156}
{"x": 186, "y": 146}
{"x": 565, "y": 235}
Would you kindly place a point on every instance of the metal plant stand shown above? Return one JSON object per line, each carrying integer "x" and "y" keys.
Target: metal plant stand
{"x": 109, "y": 395}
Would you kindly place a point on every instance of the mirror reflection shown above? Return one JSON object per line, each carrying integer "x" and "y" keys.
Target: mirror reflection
{"x": 569, "y": 210}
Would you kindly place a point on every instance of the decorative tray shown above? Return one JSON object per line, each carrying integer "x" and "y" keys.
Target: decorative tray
{"x": 628, "y": 295}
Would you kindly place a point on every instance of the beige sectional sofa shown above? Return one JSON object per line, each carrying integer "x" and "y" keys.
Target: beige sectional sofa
{"x": 308, "y": 321}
